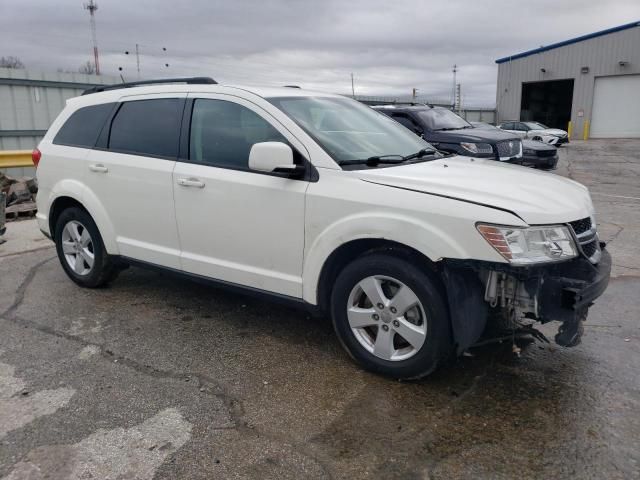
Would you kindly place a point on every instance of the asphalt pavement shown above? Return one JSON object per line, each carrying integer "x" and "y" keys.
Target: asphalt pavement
{"x": 156, "y": 377}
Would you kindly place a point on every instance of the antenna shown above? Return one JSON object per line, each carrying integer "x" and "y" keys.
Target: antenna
{"x": 92, "y": 7}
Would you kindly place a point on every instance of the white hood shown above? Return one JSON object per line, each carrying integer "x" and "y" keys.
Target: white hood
{"x": 549, "y": 131}
{"x": 536, "y": 197}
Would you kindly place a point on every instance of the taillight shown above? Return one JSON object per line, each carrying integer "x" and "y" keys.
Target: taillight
{"x": 35, "y": 157}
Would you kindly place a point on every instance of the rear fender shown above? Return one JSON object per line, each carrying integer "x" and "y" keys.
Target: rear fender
{"x": 87, "y": 198}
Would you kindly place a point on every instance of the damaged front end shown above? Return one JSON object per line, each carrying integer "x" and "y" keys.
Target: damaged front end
{"x": 500, "y": 298}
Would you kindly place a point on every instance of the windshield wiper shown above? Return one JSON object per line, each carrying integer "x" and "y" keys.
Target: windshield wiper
{"x": 421, "y": 153}
{"x": 392, "y": 158}
{"x": 446, "y": 128}
{"x": 373, "y": 161}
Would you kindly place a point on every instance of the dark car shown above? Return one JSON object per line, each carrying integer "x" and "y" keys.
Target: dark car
{"x": 451, "y": 133}
{"x": 535, "y": 154}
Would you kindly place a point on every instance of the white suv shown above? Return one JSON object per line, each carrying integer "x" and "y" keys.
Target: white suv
{"x": 320, "y": 201}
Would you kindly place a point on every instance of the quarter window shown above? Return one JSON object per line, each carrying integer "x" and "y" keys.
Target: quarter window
{"x": 83, "y": 126}
{"x": 147, "y": 127}
{"x": 222, "y": 133}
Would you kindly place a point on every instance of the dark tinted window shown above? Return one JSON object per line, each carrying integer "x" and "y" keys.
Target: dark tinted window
{"x": 147, "y": 127}
{"x": 83, "y": 126}
{"x": 442, "y": 119}
{"x": 222, "y": 133}
{"x": 507, "y": 126}
{"x": 407, "y": 122}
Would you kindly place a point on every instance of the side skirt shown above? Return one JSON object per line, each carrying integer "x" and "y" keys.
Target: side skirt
{"x": 265, "y": 295}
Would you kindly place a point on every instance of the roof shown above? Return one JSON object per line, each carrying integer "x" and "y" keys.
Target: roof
{"x": 569, "y": 42}
{"x": 115, "y": 95}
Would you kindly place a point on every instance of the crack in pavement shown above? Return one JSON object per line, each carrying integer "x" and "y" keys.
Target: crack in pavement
{"x": 233, "y": 405}
{"x": 22, "y": 288}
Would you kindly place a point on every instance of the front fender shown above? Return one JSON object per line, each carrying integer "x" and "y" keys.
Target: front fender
{"x": 87, "y": 198}
{"x": 432, "y": 242}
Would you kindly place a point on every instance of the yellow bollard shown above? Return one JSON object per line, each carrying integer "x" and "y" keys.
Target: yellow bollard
{"x": 570, "y": 129}
{"x": 585, "y": 133}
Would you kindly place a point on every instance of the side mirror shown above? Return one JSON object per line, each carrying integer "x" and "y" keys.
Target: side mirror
{"x": 272, "y": 157}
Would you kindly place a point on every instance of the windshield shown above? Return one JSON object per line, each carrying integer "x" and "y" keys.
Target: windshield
{"x": 348, "y": 130}
{"x": 442, "y": 119}
{"x": 536, "y": 125}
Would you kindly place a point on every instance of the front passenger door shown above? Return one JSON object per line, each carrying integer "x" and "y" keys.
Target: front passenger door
{"x": 238, "y": 225}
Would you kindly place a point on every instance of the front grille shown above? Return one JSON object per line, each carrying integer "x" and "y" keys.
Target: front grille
{"x": 581, "y": 226}
{"x": 587, "y": 238}
{"x": 509, "y": 148}
{"x": 590, "y": 248}
{"x": 546, "y": 153}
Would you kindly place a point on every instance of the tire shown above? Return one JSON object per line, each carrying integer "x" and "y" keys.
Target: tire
{"x": 358, "y": 329}
{"x": 77, "y": 237}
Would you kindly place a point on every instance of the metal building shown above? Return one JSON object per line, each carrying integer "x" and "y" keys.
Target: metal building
{"x": 589, "y": 85}
{"x": 30, "y": 101}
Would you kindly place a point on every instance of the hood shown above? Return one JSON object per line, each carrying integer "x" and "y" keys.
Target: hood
{"x": 536, "y": 145}
{"x": 552, "y": 131}
{"x": 474, "y": 135}
{"x": 536, "y": 197}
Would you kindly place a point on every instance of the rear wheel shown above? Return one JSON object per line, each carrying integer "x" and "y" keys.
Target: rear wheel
{"x": 391, "y": 317}
{"x": 81, "y": 251}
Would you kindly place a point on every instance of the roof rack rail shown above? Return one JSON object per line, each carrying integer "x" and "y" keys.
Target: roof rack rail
{"x": 292, "y": 86}
{"x": 117, "y": 86}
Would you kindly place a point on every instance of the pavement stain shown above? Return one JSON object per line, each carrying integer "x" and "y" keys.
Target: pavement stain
{"x": 132, "y": 453}
{"x": 19, "y": 406}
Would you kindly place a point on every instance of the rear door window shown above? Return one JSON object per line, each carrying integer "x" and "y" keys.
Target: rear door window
{"x": 147, "y": 127}
{"x": 83, "y": 126}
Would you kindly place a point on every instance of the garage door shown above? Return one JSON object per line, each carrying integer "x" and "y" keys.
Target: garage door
{"x": 616, "y": 103}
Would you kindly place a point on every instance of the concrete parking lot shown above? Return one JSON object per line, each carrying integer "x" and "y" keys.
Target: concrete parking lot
{"x": 156, "y": 377}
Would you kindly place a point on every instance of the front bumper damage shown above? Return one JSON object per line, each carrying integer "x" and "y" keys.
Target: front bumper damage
{"x": 479, "y": 291}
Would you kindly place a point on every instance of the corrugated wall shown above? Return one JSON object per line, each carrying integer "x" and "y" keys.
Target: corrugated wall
{"x": 601, "y": 54}
{"x": 30, "y": 101}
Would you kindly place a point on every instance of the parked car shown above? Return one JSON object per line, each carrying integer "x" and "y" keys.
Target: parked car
{"x": 536, "y": 131}
{"x": 318, "y": 201}
{"x": 451, "y": 133}
{"x": 535, "y": 154}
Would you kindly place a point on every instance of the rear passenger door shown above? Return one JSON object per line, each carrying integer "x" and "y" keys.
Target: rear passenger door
{"x": 130, "y": 171}
{"x": 237, "y": 225}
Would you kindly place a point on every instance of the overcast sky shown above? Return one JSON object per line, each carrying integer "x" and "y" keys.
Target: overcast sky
{"x": 390, "y": 46}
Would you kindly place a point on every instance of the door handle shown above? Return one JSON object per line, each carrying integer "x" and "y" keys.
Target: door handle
{"x": 190, "y": 182}
{"x": 98, "y": 168}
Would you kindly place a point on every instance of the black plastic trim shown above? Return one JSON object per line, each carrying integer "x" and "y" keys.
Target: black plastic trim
{"x": 159, "y": 81}
{"x": 279, "y": 298}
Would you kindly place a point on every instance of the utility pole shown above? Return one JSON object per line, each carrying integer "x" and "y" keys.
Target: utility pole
{"x": 453, "y": 93}
{"x": 353, "y": 90}
{"x": 92, "y": 7}
{"x": 138, "y": 60}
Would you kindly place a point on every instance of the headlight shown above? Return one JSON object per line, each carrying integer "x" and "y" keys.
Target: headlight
{"x": 528, "y": 151}
{"x": 481, "y": 148}
{"x": 524, "y": 246}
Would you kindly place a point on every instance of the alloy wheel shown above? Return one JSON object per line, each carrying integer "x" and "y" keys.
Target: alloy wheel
{"x": 77, "y": 247}
{"x": 387, "y": 318}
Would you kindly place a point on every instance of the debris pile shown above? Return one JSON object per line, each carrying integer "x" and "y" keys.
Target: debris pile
{"x": 20, "y": 194}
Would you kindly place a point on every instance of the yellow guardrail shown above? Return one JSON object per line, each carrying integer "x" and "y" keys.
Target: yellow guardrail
{"x": 15, "y": 158}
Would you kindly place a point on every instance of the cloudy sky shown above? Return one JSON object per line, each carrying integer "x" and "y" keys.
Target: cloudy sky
{"x": 390, "y": 46}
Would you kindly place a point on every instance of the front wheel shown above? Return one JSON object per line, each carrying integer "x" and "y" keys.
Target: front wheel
{"x": 391, "y": 316}
{"x": 81, "y": 251}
